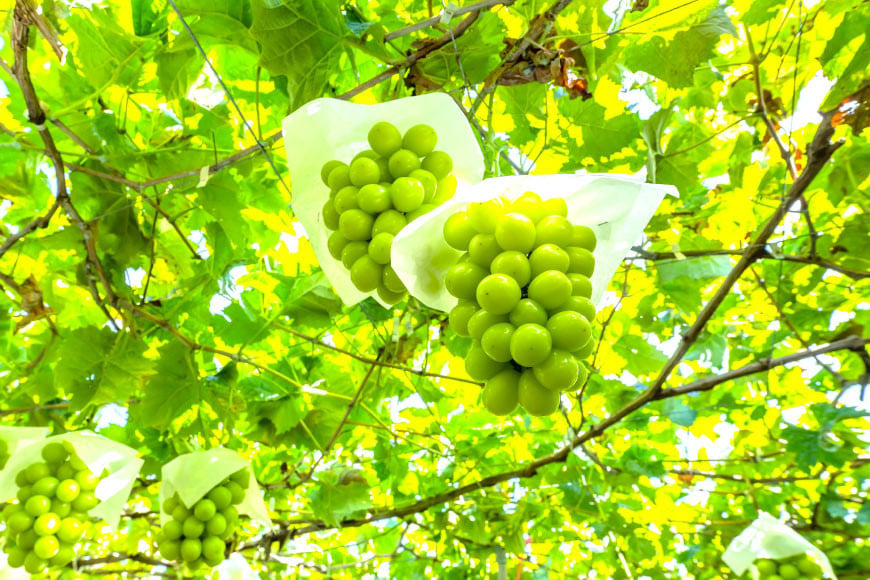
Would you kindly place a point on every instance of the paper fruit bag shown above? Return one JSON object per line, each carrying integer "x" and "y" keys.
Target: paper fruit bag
{"x": 193, "y": 475}
{"x": 326, "y": 129}
{"x": 768, "y": 538}
{"x": 13, "y": 438}
{"x": 119, "y": 462}
{"x": 616, "y": 207}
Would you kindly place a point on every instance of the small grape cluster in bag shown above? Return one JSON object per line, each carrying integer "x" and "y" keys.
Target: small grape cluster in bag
{"x": 383, "y": 189}
{"x": 197, "y": 535}
{"x": 523, "y": 288}
{"x": 800, "y": 567}
{"x": 50, "y": 513}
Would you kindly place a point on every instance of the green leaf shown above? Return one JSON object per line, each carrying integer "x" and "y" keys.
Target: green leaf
{"x": 694, "y": 268}
{"x": 338, "y": 497}
{"x": 679, "y": 412}
{"x": 301, "y": 40}
{"x": 173, "y": 389}
{"x": 601, "y": 137}
{"x": 642, "y": 358}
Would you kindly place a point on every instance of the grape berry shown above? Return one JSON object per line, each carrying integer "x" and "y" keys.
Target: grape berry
{"x": 800, "y": 567}
{"x": 523, "y": 289}
{"x": 50, "y": 514}
{"x": 197, "y": 535}
{"x": 382, "y": 190}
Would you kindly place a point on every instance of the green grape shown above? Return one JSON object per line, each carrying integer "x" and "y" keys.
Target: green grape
{"x": 327, "y": 168}
{"x": 559, "y": 371}
{"x": 388, "y": 296}
{"x": 47, "y": 524}
{"x": 501, "y": 392}
{"x": 485, "y": 215}
{"x": 789, "y": 572}
{"x": 582, "y": 261}
{"x": 204, "y": 510}
{"x": 555, "y": 206}
{"x": 808, "y": 567}
{"x": 498, "y": 293}
{"x": 365, "y": 274}
{"x": 530, "y": 345}
{"x": 85, "y": 502}
{"x": 221, "y": 496}
{"x": 46, "y": 547}
{"x": 420, "y": 211}
{"x": 535, "y": 398}
{"x": 330, "y": 215}
{"x": 548, "y": 257}
{"x": 169, "y": 504}
{"x": 76, "y": 461}
{"x": 407, "y": 194}
{"x": 336, "y": 243}
{"x": 420, "y": 139}
{"x": 438, "y": 163}
{"x": 460, "y": 315}
{"x": 21, "y": 478}
{"x": 577, "y": 304}
{"x": 458, "y": 231}
{"x": 463, "y": 278}
{"x": 585, "y": 350}
{"x": 87, "y": 481}
{"x": 582, "y": 375}
{"x": 365, "y": 154}
{"x": 364, "y": 171}
{"x": 36, "y": 505}
{"x": 216, "y": 525}
{"x": 581, "y": 285}
{"x": 237, "y": 490}
{"x": 37, "y": 471}
{"x": 531, "y": 206}
{"x": 19, "y": 521}
{"x": 338, "y": 177}
{"x": 514, "y": 264}
{"x": 356, "y": 225}
{"x": 550, "y": 289}
{"x": 45, "y": 486}
{"x": 527, "y": 311}
{"x": 569, "y": 330}
{"x": 482, "y": 250}
{"x": 765, "y": 566}
{"x": 65, "y": 471}
{"x": 481, "y": 320}
{"x": 15, "y": 556}
{"x": 583, "y": 237}
{"x": 173, "y": 529}
{"x": 384, "y": 168}
{"x": 428, "y": 181}
{"x": 374, "y": 199}
{"x": 389, "y": 221}
{"x": 33, "y": 564}
{"x": 27, "y": 539}
{"x": 403, "y": 162}
{"x": 379, "y": 248}
{"x": 170, "y": 549}
{"x": 54, "y": 453}
{"x": 384, "y": 138}
{"x": 192, "y": 527}
{"x": 24, "y": 493}
{"x": 232, "y": 514}
{"x": 445, "y": 190}
{"x": 554, "y": 230}
{"x": 213, "y": 549}
{"x": 392, "y": 282}
{"x": 11, "y": 508}
{"x": 773, "y": 577}
{"x": 515, "y": 231}
{"x": 191, "y": 549}
{"x": 496, "y": 341}
{"x": 346, "y": 199}
{"x": 180, "y": 513}
{"x": 479, "y": 366}
{"x": 352, "y": 252}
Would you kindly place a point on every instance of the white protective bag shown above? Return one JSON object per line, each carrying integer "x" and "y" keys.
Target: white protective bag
{"x": 616, "y": 207}
{"x": 326, "y": 129}
{"x": 193, "y": 475}
{"x": 767, "y": 537}
{"x": 99, "y": 454}
{"x": 17, "y": 437}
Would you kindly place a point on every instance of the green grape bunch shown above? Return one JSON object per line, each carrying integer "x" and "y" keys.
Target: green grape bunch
{"x": 198, "y": 534}
{"x": 801, "y": 567}
{"x": 399, "y": 179}
{"x": 524, "y": 297}
{"x": 49, "y": 517}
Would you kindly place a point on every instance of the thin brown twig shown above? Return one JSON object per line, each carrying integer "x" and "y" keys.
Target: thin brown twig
{"x": 476, "y": 7}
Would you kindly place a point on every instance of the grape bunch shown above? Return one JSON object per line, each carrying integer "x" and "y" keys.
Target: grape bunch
{"x": 50, "y": 514}
{"x": 523, "y": 288}
{"x": 800, "y": 567}
{"x": 197, "y": 535}
{"x": 382, "y": 190}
